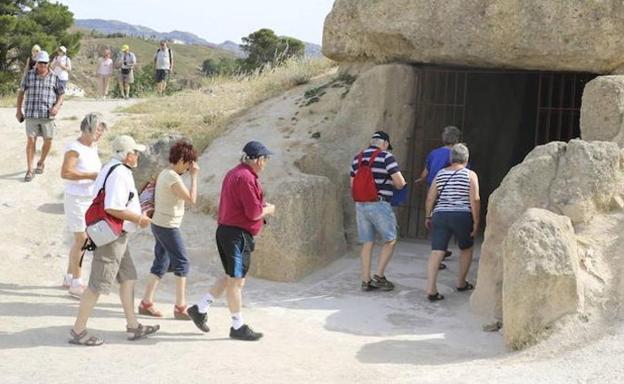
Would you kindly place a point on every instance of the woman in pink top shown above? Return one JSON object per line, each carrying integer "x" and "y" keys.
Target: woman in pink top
{"x": 104, "y": 72}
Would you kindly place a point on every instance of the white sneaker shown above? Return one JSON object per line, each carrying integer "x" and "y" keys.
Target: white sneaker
{"x": 76, "y": 291}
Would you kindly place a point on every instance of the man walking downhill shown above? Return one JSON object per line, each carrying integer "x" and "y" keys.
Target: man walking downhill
{"x": 44, "y": 97}
{"x": 374, "y": 214}
{"x": 241, "y": 215}
{"x": 163, "y": 62}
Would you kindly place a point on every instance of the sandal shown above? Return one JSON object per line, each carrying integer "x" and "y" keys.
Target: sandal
{"x": 29, "y": 176}
{"x": 442, "y": 266}
{"x": 40, "y": 168}
{"x": 466, "y": 287}
{"x": 435, "y": 297}
{"x": 84, "y": 339}
{"x": 179, "y": 312}
{"x": 148, "y": 309}
{"x": 447, "y": 254}
{"x": 141, "y": 331}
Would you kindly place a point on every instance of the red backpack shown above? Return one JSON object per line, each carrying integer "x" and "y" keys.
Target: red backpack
{"x": 364, "y": 188}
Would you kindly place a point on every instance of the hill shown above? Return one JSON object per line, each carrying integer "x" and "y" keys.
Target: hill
{"x": 115, "y": 26}
{"x": 187, "y": 62}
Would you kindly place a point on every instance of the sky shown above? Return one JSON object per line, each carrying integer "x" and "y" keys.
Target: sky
{"x": 215, "y": 21}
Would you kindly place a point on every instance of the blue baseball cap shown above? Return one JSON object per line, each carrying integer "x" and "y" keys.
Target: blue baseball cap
{"x": 255, "y": 149}
{"x": 383, "y": 136}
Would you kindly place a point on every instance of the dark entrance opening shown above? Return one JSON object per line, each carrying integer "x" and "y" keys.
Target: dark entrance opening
{"x": 503, "y": 115}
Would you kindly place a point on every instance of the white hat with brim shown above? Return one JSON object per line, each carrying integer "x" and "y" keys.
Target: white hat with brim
{"x": 42, "y": 57}
{"x": 125, "y": 144}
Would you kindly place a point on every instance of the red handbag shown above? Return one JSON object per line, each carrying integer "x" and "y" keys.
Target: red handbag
{"x": 102, "y": 228}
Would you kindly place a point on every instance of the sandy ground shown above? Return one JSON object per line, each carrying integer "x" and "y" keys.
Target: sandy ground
{"x": 322, "y": 329}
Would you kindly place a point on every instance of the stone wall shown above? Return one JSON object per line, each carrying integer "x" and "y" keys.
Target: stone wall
{"x": 548, "y": 35}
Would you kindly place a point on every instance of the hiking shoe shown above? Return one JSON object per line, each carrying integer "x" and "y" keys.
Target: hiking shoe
{"x": 244, "y": 333}
{"x": 380, "y": 282}
{"x": 367, "y": 286}
{"x": 200, "y": 319}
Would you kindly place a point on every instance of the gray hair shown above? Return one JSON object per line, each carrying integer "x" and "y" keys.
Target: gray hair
{"x": 377, "y": 142}
{"x": 451, "y": 135}
{"x": 459, "y": 154}
{"x": 91, "y": 121}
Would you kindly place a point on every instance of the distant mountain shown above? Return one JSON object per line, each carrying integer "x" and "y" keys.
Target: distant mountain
{"x": 180, "y": 37}
{"x": 232, "y": 47}
{"x": 311, "y": 49}
{"x": 114, "y": 26}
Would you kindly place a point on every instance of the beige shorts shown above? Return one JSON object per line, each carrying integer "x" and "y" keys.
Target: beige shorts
{"x": 40, "y": 127}
{"x": 75, "y": 209}
{"x": 129, "y": 78}
{"x": 111, "y": 262}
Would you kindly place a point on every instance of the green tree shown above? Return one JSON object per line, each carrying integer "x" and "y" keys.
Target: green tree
{"x": 264, "y": 46}
{"x": 220, "y": 66}
{"x": 24, "y": 23}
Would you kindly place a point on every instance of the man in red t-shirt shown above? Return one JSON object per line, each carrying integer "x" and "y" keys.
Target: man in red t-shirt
{"x": 241, "y": 215}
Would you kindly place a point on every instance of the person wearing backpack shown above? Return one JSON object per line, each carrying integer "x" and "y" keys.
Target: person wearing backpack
{"x": 375, "y": 174}
{"x": 163, "y": 63}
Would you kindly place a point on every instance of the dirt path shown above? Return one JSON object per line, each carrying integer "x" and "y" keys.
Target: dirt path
{"x": 322, "y": 329}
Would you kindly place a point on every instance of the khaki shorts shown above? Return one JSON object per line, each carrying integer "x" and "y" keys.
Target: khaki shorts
{"x": 40, "y": 127}
{"x": 111, "y": 261}
{"x": 129, "y": 78}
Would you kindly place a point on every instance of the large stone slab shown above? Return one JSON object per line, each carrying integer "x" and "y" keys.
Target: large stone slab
{"x": 531, "y": 34}
{"x": 602, "y": 110}
{"x": 539, "y": 275}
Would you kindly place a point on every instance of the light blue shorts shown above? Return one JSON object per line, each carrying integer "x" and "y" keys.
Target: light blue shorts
{"x": 375, "y": 218}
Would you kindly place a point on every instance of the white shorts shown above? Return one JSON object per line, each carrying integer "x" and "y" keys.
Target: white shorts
{"x": 75, "y": 209}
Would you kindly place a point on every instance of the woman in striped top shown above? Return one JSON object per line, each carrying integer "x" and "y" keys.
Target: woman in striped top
{"x": 453, "y": 207}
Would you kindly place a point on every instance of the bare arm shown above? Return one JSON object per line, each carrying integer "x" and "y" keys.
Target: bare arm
{"x": 475, "y": 202}
{"x": 398, "y": 181}
{"x": 431, "y": 197}
{"x": 127, "y": 215}
{"x": 20, "y": 100}
{"x": 423, "y": 176}
{"x": 68, "y": 169}
{"x": 182, "y": 192}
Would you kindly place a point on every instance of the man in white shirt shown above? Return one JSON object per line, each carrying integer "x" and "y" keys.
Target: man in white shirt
{"x": 113, "y": 261}
{"x": 163, "y": 62}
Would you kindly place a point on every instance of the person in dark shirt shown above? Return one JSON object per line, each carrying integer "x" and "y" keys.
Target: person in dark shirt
{"x": 242, "y": 210}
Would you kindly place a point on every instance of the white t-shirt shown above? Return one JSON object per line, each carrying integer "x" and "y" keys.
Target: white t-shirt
{"x": 105, "y": 67}
{"x": 88, "y": 161}
{"x": 60, "y": 72}
{"x": 119, "y": 186}
{"x": 162, "y": 58}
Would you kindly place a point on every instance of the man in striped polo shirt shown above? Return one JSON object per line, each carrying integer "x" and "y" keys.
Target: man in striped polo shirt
{"x": 377, "y": 217}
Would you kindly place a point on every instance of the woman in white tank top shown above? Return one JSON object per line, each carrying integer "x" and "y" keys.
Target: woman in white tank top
{"x": 81, "y": 165}
{"x": 453, "y": 208}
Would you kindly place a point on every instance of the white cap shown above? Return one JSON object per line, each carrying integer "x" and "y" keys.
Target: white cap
{"x": 125, "y": 144}
{"x": 62, "y": 48}
{"x": 43, "y": 57}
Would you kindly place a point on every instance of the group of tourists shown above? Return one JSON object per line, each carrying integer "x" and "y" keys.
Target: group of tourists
{"x": 124, "y": 64}
{"x": 452, "y": 207}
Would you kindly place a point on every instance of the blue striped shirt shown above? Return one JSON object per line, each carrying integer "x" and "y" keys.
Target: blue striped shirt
{"x": 384, "y": 167}
{"x": 456, "y": 194}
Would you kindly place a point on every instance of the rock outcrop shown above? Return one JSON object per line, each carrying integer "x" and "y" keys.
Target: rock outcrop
{"x": 539, "y": 275}
{"x": 602, "y": 110}
{"x": 580, "y": 183}
{"x": 532, "y": 34}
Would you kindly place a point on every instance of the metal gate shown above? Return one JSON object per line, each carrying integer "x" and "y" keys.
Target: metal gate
{"x": 441, "y": 100}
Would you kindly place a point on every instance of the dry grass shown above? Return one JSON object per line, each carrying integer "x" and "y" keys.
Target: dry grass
{"x": 202, "y": 115}
{"x": 8, "y": 101}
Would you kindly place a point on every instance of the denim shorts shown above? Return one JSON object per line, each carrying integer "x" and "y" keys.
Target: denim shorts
{"x": 375, "y": 218}
{"x": 447, "y": 224}
{"x": 169, "y": 252}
